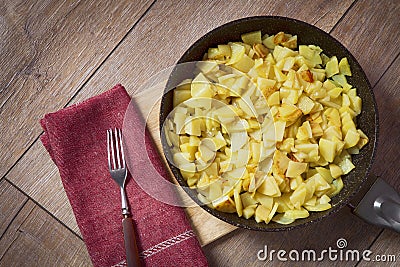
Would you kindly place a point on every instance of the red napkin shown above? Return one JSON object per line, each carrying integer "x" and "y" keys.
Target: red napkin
{"x": 75, "y": 138}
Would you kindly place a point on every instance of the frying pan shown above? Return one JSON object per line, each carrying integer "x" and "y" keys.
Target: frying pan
{"x": 381, "y": 204}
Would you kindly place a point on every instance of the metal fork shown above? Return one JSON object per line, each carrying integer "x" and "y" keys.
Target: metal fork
{"x": 118, "y": 171}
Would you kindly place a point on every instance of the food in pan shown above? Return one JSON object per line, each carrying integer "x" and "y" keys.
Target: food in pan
{"x": 266, "y": 128}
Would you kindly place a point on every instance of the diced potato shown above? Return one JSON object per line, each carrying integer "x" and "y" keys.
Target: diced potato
{"x": 335, "y": 170}
{"x": 255, "y": 151}
{"x": 305, "y": 104}
{"x": 247, "y": 199}
{"x": 351, "y": 139}
{"x": 279, "y": 38}
{"x": 295, "y": 168}
{"x": 207, "y": 150}
{"x": 345, "y": 100}
{"x": 311, "y": 54}
{"x": 298, "y": 196}
{"x": 295, "y": 182}
{"x": 344, "y": 67}
{"x": 237, "y": 52}
{"x": 325, "y": 173}
{"x": 279, "y": 130}
{"x": 318, "y": 74}
{"x": 215, "y": 191}
{"x": 281, "y": 52}
{"x": 261, "y": 213}
{"x": 346, "y": 165}
{"x": 363, "y": 139}
{"x": 179, "y": 120}
{"x": 296, "y": 214}
{"x": 191, "y": 181}
{"x": 272, "y": 212}
{"x": 311, "y": 202}
{"x": 324, "y": 199}
{"x": 333, "y": 116}
{"x": 225, "y": 50}
{"x": 281, "y": 219}
{"x": 338, "y": 186}
{"x": 304, "y": 132}
{"x": 193, "y": 126}
{"x": 280, "y": 77}
{"x": 214, "y": 53}
{"x": 269, "y": 187}
{"x": 328, "y": 84}
{"x": 189, "y": 149}
{"x": 238, "y": 201}
{"x": 316, "y": 130}
{"x": 269, "y": 42}
{"x": 224, "y": 204}
{"x": 244, "y": 64}
{"x": 201, "y": 87}
{"x": 238, "y": 140}
{"x": 252, "y": 38}
{"x": 180, "y": 96}
{"x": 212, "y": 170}
{"x": 194, "y": 140}
{"x": 291, "y": 43}
{"x": 219, "y": 141}
{"x": 318, "y": 207}
{"x": 284, "y": 203}
{"x": 327, "y": 149}
{"x": 286, "y": 110}
{"x": 332, "y": 67}
{"x": 274, "y": 99}
{"x": 335, "y": 92}
{"x": 341, "y": 80}
{"x": 249, "y": 211}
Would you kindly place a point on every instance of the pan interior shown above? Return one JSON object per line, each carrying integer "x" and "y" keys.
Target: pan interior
{"x": 307, "y": 34}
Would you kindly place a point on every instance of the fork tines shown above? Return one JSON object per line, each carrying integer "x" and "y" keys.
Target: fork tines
{"x": 115, "y": 149}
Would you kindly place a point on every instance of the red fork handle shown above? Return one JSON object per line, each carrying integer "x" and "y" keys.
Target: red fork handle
{"x": 131, "y": 250}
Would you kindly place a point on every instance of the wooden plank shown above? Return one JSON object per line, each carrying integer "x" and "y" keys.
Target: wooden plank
{"x": 162, "y": 46}
{"x": 387, "y": 96}
{"x": 9, "y": 237}
{"x": 146, "y": 54}
{"x": 370, "y": 30}
{"x": 11, "y": 201}
{"x": 37, "y": 239}
{"x": 385, "y": 250}
{"x": 50, "y": 49}
{"x": 44, "y": 184}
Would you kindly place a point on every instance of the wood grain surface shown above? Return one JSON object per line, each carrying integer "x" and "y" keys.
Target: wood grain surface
{"x": 56, "y": 53}
{"x": 50, "y": 49}
{"x": 143, "y": 40}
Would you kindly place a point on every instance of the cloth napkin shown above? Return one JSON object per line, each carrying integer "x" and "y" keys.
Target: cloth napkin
{"x": 75, "y": 138}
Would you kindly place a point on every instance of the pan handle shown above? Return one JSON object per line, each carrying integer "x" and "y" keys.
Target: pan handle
{"x": 380, "y": 206}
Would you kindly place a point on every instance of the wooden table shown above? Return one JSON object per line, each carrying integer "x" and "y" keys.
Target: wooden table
{"x": 56, "y": 53}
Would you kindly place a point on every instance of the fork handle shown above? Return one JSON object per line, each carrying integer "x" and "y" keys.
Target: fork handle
{"x": 131, "y": 250}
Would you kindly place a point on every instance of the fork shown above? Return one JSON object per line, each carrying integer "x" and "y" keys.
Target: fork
{"x": 118, "y": 171}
